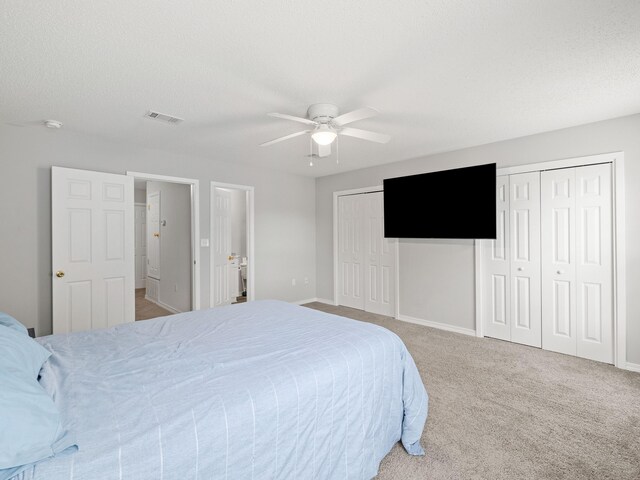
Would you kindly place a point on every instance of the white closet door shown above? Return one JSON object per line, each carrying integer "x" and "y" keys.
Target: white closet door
{"x": 594, "y": 263}
{"x": 495, "y": 268}
{"x": 525, "y": 258}
{"x": 379, "y": 259}
{"x": 351, "y": 251}
{"x": 558, "y": 227}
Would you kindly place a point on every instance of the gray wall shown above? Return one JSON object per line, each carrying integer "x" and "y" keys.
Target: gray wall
{"x": 437, "y": 277}
{"x": 175, "y": 244}
{"x": 239, "y": 222}
{"x": 284, "y": 209}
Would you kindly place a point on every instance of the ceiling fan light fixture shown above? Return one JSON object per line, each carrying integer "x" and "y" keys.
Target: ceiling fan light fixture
{"x": 323, "y": 135}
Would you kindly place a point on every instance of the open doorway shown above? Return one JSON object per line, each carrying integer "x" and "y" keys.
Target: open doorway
{"x": 232, "y": 252}
{"x": 166, "y": 257}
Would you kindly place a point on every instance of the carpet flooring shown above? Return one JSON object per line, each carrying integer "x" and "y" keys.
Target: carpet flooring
{"x": 498, "y": 410}
{"x": 146, "y": 309}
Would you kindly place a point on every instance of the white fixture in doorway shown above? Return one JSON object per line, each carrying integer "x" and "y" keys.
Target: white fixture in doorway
{"x": 220, "y": 257}
{"x": 195, "y": 226}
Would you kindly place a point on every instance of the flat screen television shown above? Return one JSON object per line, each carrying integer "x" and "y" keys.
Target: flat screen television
{"x": 458, "y": 203}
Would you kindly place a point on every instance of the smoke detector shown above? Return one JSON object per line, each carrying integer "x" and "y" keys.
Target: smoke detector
{"x": 52, "y": 124}
{"x": 163, "y": 117}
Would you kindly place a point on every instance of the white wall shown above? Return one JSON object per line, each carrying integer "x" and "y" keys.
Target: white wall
{"x": 437, "y": 276}
{"x": 284, "y": 209}
{"x": 239, "y": 222}
{"x": 140, "y": 195}
{"x": 175, "y": 244}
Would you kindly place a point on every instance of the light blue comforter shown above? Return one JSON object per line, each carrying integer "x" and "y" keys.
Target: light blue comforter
{"x": 263, "y": 390}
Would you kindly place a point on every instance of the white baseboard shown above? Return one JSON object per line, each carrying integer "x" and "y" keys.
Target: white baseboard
{"x": 633, "y": 367}
{"x": 440, "y": 326}
{"x": 163, "y": 305}
{"x": 326, "y": 301}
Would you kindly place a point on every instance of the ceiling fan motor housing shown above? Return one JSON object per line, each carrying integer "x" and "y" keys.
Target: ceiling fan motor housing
{"x": 322, "y": 112}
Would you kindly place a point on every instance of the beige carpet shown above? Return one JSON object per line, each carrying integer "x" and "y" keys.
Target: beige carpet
{"x": 146, "y": 309}
{"x": 498, "y": 410}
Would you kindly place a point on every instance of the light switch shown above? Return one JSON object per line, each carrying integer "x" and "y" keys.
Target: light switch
{"x": 204, "y": 242}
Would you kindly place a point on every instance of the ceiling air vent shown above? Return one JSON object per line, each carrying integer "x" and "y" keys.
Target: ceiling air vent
{"x": 163, "y": 117}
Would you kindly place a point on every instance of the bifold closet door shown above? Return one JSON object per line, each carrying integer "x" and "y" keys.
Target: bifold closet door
{"x": 577, "y": 262}
{"x": 594, "y": 269}
{"x": 350, "y": 251}
{"x": 496, "y": 270}
{"x": 379, "y": 258}
{"x": 558, "y": 227}
{"x": 525, "y": 302}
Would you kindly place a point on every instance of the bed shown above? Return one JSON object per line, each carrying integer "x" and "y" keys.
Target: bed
{"x": 264, "y": 390}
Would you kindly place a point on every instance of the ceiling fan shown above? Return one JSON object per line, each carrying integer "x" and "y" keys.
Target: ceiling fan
{"x": 327, "y": 124}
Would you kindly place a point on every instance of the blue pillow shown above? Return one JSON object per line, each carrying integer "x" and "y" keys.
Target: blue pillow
{"x": 8, "y": 321}
{"x": 30, "y": 426}
{"x": 21, "y": 353}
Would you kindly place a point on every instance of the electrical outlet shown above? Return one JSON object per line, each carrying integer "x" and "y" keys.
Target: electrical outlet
{"x": 306, "y": 280}
{"x": 293, "y": 282}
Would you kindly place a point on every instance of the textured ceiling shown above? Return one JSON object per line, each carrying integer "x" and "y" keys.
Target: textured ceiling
{"x": 444, "y": 74}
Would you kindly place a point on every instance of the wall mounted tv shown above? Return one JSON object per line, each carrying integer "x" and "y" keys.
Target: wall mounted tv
{"x": 458, "y": 203}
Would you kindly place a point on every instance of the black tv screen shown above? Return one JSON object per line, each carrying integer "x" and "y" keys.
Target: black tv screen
{"x": 458, "y": 203}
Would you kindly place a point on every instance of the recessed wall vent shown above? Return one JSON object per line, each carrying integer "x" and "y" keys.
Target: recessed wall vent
{"x": 163, "y": 117}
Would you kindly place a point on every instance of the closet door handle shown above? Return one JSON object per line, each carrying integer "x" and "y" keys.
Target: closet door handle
{"x": 520, "y": 269}
{"x": 559, "y": 272}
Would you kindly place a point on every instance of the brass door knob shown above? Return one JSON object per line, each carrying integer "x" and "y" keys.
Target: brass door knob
{"x": 156, "y": 234}
{"x": 59, "y": 274}
{"x": 231, "y": 257}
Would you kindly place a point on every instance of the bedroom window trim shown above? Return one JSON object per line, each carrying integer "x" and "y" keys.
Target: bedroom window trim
{"x": 616, "y": 159}
{"x": 195, "y": 226}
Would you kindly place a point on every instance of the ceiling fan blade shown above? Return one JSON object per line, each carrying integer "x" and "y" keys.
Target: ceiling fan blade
{"x": 286, "y": 137}
{"x": 365, "y": 135}
{"x": 324, "y": 150}
{"x": 291, "y": 117}
{"x": 355, "y": 115}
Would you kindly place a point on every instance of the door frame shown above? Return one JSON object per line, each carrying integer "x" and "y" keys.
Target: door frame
{"x": 195, "y": 226}
{"x": 251, "y": 255}
{"x": 616, "y": 159}
{"x": 336, "y": 266}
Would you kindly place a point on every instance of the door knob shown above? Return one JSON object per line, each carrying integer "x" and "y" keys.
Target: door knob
{"x": 520, "y": 269}
{"x": 59, "y": 274}
{"x": 156, "y": 234}
{"x": 560, "y": 272}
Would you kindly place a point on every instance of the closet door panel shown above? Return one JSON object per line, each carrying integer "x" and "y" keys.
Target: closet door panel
{"x": 379, "y": 258}
{"x": 351, "y": 251}
{"x": 495, "y": 268}
{"x": 594, "y": 263}
{"x": 525, "y": 304}
{"x": 557, "y": 200}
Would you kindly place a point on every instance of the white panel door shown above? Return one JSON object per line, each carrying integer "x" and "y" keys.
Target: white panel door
{"x": 351, "y": 251}
{"x": 496, "y": 270}
{"x": 379, "y": 286}
{"x": 141, "y": 245}
{"x": 525, "y": 311}
{"x": 92, "y": 249}
{"x": 221, "y": 217}
{"x": 153, "y": 235}
{"x": 594, "y": 289}
{"x": 558, "y": 230}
